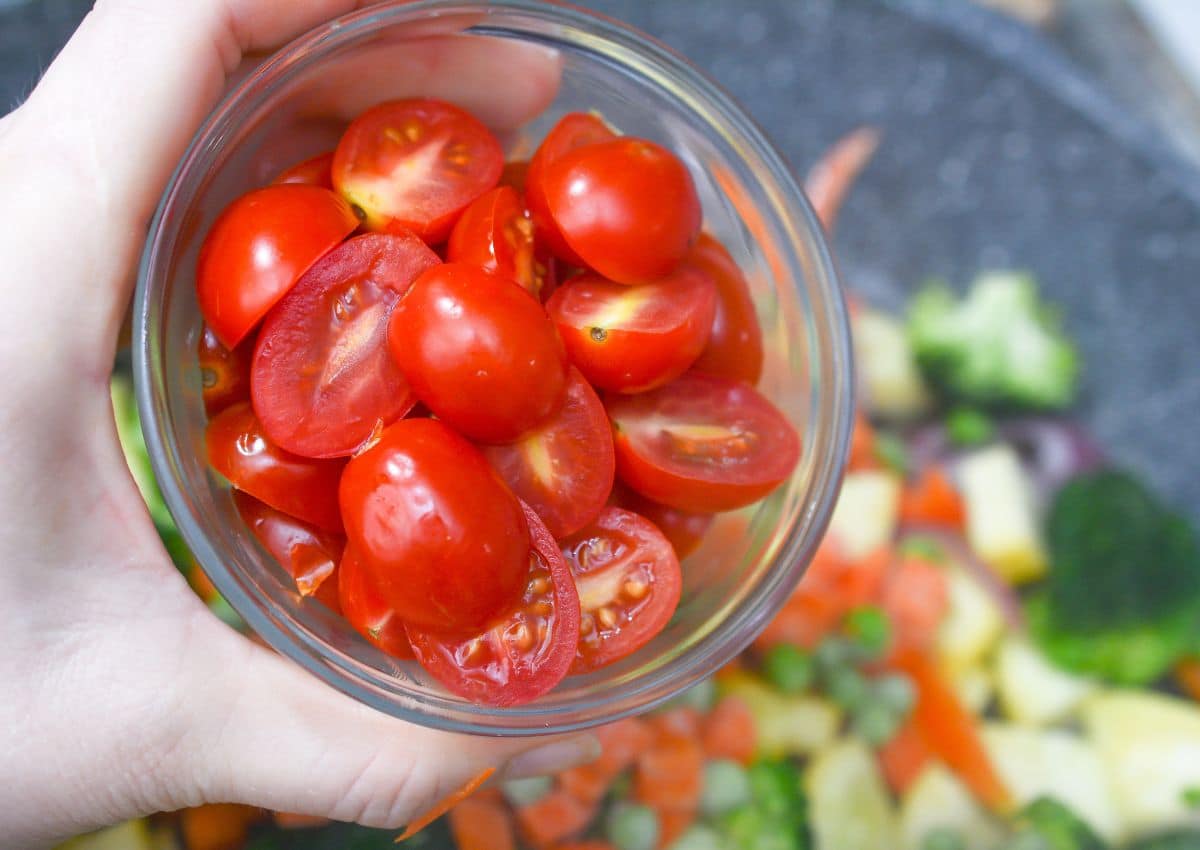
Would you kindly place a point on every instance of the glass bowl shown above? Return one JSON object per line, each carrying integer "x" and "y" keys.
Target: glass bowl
{"x": 750, "y": 560}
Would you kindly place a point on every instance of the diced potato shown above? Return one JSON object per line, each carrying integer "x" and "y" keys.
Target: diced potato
{"x": 849, "y": 805}
{"x": 937, "y": 800}
{"x": 785, "y": 725}
{"x": 131, "y": 835}
{"x": 1054, "y": 763}
{"x": 974, "y": 687}
{"x": 1001, "y": 516}
{"x": 892, "y": 382}
{"x": 972, "y": 624}
{"x": 1033, "y": 691}
{"x": 1149, "y": 745}
{"x": 866, "y": 513}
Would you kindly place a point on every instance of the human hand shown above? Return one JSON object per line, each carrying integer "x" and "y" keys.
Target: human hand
{"x": 123, "y": 694}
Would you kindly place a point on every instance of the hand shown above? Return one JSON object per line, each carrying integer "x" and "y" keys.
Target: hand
{"x": 122, "y": 694}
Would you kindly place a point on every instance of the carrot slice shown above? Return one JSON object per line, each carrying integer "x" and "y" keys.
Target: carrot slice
{"x": 620, "y": 744}
{"x": 217, "y": 826}
{"x": 829, "y": 181}
{"x": 293, "y": 820}
{"x": 729, "y": 732}
{"x": 903, "y": 758}
{"x": 670, "y": 774}
{"x": 554, "y": 817}
{"x": 440, "y": 808}
{"x": 673, "y": 823}
{"x": 1188, "y": 676}
{"x": 916, "y": 600}
{"x": 682, "y": 722}
{"x": 479, "y": 824}
{"x": 862, "y": 446}
{"x": 932, "y": 500}
{"x": 592, "y": 844}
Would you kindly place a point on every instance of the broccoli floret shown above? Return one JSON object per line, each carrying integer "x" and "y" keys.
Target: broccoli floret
{"x": 776, "y": 817}
{"x": 1046, "y": 824}
{"x": 999, "y": 347}
{"x": 1122, "y": 598}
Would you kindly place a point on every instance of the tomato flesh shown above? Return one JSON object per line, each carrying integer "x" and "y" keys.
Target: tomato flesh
{"x": 364, "y": 608}
{"x": 224, "y": 374}
{"x": 685, "y": 529}
{"x": 629, "y": 583}
{"x": 634, "y": 338}
{"x": 441, "y": 536}
{"x": 259, "y": 247}
{"x": 323, "y": 382}
{"x": 317, "y": 171}
{"x": 522, "y": 653}
{"x": 564, "y": 468}
{"x": 415, "y": 164}
{"x": 735, "y": 346}
{"x": 495, "y": 234}
{"x": 301, "y": 487}
{"x": 309, "y": 554}
{"x": 702, "y": 444}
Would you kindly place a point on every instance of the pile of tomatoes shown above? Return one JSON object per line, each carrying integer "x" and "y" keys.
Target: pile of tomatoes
{"x": 425, "y": 371}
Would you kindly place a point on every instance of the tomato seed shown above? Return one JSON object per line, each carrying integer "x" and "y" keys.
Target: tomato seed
{"x": 635, "y": 589}
{"x": 607, "y": 617}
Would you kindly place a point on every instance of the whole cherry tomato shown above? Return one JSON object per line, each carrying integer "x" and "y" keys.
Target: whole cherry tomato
{"x": 364, "y": 607}
{"x": 684, "y": 529}
{"x": 309, "y": 554}
{"x": 224, "y": 374}
{"x": 495, "y": 234}
{"x": 735, "y": 346}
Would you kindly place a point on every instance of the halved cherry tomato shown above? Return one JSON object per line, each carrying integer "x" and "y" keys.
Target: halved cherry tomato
{"x": 259, "y": 247}
{"x": 309, "y": 554}
{"x": 526, "y": 650}
{"x": 634, "y": 338}
{"x": 440, "y": 535}
{"x": 415, "y": 164}
{"x": 572, "y": 131}
{"x": 239, "y": 449}
{"x": 365, "y": 609}
{"x": 629, "y": 584}
{"x": 684, "y": 529}
{"x": 627, "y": 207}
{"x": 735, "y": 347}
{"x": 564, "y": 468}
{"x": 323, "y": 382}
{"x": 495, "y": 234}
{"x": 224, "y": 374}
{"x": 702, "y": 443}
{"x": 479, "y": 351}
{"x": 316, "y": 171}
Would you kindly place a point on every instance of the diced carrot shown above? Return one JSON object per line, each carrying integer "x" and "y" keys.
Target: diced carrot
{"x": 670, "y": 774}
{"x": 441, "y": 807}
{"x": 555, "y": 816}
{"x": 932, "y": 500}
{"x": 682, "y": 722}
{"x": 903, "y": 758}
{"x": 859, "y": 582}
{"x": 673, "y": 823}
{"x": 1188, "y": 676}
{"x": 620, "y": 744}
{"x": 862, "y": 446}
{"x": 728, "y": 731}
{"x": 478, "y": 824}
{"x": 916, "y": 599}
{"x": 293, "y": 820}
{"x": 591, "y": 844}
{"x": 217, "y": 826}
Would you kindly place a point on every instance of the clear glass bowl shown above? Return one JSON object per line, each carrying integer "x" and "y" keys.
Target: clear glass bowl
{"x": 751, "y": 559}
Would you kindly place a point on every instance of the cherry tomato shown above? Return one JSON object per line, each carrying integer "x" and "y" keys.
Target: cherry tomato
{"x": 514, "y": 174}
{"x": 316, "y": 171}
{"x": 702, "y": 444}
{"x": 572, "y": 131}
{"x": 479, "y": 351}
{"x": 258, "y": 248}
{"x": 224, "y": 374}
{"x": 415, "y": 164}
{"x": 735, "y": 347}
{"x": 442, "y": 538}
{"x": 522, "y": 653}
{"x": 365, "y": 609}
{"x": 495, "y": 234}
{"x": 684, "y": 529}
{"x": 627, "y": 207}
{"x": 309, "y": 554}
{"x": 322, "y": 381}
{"x": 634, "y": 338}
{"x": 563, "y": 469}
{"x": 301, "y": 487}
{"x": 629, "y": 583}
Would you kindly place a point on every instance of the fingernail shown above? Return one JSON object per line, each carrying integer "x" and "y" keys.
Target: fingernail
{"x": 552, "y": 758}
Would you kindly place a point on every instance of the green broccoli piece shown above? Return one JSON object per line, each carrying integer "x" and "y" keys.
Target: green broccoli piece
{"x": 1122, "y": 598}
{"x": 1187, "y": 840}
{"x": 1046, "y": 824}
{"x": 999, "y": 347}
{"x": 776, "y": 817}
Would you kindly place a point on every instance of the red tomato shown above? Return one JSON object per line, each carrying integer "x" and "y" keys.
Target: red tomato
{"x": 443, "y": 539}
{"x": 365, "y": 609}
{"x": 563, "y": 469}
{"x": 308, "y": 554}
{"x": 702, "y": 444}
{"x": 301, "y": 487}
{"x": 316, "y": 171}
{"x": 521, "y": 653}
{"x": 684, "y": 529}
{"x": 634, "y": 338}
{"x": 629, "y": 583}
{"x": 735, "y": 346}
{"x": 258, "y": 248}
{"x": 514, "y": 174}
{"x": 323, "y": 382}
{"x": 495, "y": 234}
{"x": 224, "y": 374}
{"x": 572, "y": 131}
{"x": 627, "y": 207}
{"x": 415, "y": 164}
{"x": 479, "y": 351}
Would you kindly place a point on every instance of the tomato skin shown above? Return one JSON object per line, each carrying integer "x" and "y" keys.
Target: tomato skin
{"x": 307, "y": 553}
{"x": 702, "y": 444}
{"x": 259, "y": 247}
{"x": 627, "y": 207}
{"x": 479, "y": 351}
{"x": 442, "y": 538}
{"x": 365, "y": 609}
{"x": 224, "y": 374}
{"x": 526, "y": 649}
{"x": 323, "y": 381}
{"x": 514, "y": 174}
{"x": 316, "y": 171}
{"x": 396, "y": 162}
{"x": 684, "y": 529}
{"x": 634, "y": 338}
{"x": 301, "y": 487}
{"x": 495, "y": 234}
{"x": 564, "y": 468}
{"x": 735, "y": 346}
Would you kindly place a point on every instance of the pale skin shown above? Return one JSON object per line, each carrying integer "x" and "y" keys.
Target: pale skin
{"x": 122, "y": 695}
